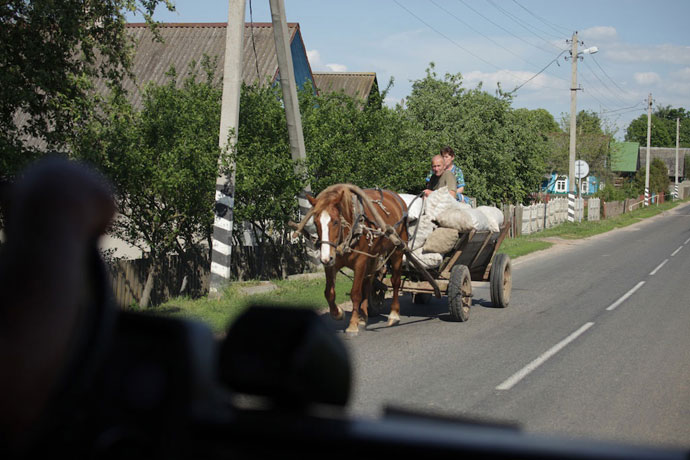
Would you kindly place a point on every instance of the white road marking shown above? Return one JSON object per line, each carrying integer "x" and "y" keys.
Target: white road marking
{"x": 686, "y": 241}
{"x": 522, "y": 373}
{"x": 625, "y": 296}
{"x": 676, "y": 251}
{"x": 653, "y": 272}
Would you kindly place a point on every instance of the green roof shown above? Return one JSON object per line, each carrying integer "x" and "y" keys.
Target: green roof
{"x": 624, "y": 156}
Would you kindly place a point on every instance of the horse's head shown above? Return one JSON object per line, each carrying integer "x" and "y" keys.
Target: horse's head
{"x": 329, "y": 228}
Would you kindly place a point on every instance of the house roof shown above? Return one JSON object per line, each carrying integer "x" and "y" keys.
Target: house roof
{"x": 187, "y": 42}
{"x": 668, "y": 156}
{"x": 355, "y": 84}
{"x": 624, "y": 156}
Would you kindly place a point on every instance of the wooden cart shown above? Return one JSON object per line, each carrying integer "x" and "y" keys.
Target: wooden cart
{"x": 473, "y": 258}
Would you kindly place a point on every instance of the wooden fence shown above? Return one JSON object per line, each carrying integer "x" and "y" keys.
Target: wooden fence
{"x": 190, "y": 277}
{"x": 540, "y": 216}
{"x": 174, "y": 277}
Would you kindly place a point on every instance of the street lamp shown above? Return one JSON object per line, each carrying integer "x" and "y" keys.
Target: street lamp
{"x": 574, "y": 56}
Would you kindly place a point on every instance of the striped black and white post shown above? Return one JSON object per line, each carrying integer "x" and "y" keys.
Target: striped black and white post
{"x": 646, "y": 196}
{"x": 675, "y": 191}
{"x": 221, "y": 251}
{"x": 571, "y": 207}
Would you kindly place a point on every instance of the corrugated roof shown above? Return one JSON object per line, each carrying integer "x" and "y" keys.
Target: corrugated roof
{"x": 668, "y": 156}
{"x": 184, "y": 43}
{"x": 355, "y": 84}
{"x": 624, "y": 156}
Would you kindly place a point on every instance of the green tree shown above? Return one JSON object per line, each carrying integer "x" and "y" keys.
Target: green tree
{"x": 266, "y": 185}
{"x": 591, "y": 145}
{"x": 50, "y": 53}
{"x": 500, "y": 151}
{"x": 663, "y": 128}
{"x": 661, "y": 133}
{"x": 370, "y": 146}
{"x": 658, "y": 177}
{"x": 163, "y": 162}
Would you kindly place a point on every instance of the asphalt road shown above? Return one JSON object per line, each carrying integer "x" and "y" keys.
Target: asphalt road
{"x": 595, "y": 343}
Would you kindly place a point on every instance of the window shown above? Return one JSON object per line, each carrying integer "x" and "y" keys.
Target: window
{"x": 584, "y": 187}
{"x": 560, "y": 185}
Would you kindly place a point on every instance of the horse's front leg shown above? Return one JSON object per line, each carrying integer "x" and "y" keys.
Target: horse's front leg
{"x": 396, "y": 271}
{"x": 356, "y": 297}
{"x": 335, "y": 310}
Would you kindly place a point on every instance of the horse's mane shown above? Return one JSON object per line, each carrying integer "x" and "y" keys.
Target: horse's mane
{"x": 338, "y": 195}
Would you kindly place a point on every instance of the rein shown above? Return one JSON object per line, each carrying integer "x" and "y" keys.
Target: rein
{"x": 371, "y": 232}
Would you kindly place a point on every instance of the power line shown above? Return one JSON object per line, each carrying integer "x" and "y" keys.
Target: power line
{"x": 503, "y": 28}
{"x": 633, "y": 107}
{"x": 597, "y": 77}
{"x": 563, "y": 29}
{"x": 592, "y": 92}
{"x": 542, "y": 70}
{"x": 519, "y": 22}
{"x": 607, "y": 76}
{"x": 451, "y": 40}
{"x": 491, "y": 40}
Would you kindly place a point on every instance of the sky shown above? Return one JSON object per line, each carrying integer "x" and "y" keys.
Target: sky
{"x": 643, "y": 47}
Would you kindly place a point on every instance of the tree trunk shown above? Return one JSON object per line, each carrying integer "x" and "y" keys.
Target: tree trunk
{"x": 148, "y": 287}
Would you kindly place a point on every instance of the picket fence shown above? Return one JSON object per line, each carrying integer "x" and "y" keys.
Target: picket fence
{"x": 540, "y": 216}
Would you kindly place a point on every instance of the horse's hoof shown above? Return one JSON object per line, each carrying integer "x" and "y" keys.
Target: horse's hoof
{"x": 352, "y": 331}
{"x": 362, "y": 322}
{"x": 338, "y": 315}
{"x": 393, "y": 319}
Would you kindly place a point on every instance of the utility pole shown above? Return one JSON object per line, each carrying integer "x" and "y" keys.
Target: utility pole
{"x": 292, "y": 115}
{"x": 221, "y": 249}
{"x": 573, "y": 127}
{"x": 675, "y": 189}
{"x": 649, "y": 143}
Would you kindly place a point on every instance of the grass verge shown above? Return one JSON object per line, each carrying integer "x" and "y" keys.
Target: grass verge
{"x": 309, "y": 293}
{"x": 218, "y": 314}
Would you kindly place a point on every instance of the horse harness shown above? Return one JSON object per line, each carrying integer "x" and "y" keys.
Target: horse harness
{"x": 361, "y": 225}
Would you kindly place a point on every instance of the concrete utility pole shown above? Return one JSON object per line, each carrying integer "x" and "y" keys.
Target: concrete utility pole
{"x": 649, "y": 143}
{"x": 675, "y": 190}
{"x": 573, "y": 127}
{"x": 294, "y": 120}
{"x": 229, "y": 122}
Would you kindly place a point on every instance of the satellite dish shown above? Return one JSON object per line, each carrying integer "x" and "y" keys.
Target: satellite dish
{"x": 581, "y": 169}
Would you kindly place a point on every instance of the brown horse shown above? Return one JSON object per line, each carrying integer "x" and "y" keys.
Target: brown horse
{"x": 364, "y": 230}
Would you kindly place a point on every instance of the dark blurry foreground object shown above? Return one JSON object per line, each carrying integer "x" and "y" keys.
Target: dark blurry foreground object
{"x": 287, "y": 356}
{"x": 56, "y": 211}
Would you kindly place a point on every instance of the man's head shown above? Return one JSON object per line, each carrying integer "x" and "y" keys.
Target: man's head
{"x": 448, "y": 156}
{"x": 438, "y": 165}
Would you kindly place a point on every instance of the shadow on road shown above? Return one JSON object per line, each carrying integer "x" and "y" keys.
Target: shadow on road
{"x": 410, "y": 313}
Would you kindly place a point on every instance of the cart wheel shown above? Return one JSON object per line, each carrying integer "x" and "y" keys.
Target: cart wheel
{"x": 377, "y": 297}
{"x": 421, "y": 298}
{"x": 501, "y": 281}
{"x": 460, "y": 293}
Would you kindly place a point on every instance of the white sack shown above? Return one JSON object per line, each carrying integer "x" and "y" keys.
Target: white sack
{"x": 427, "y": 259}
{"x": 492, "y": 213}
{"x": 438, "y": 202}
{"x": 459, "y": 219}
{"x": 480, "y": 221}
{"x": 423, "y": 228}
{"x": 414, "y": 206}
